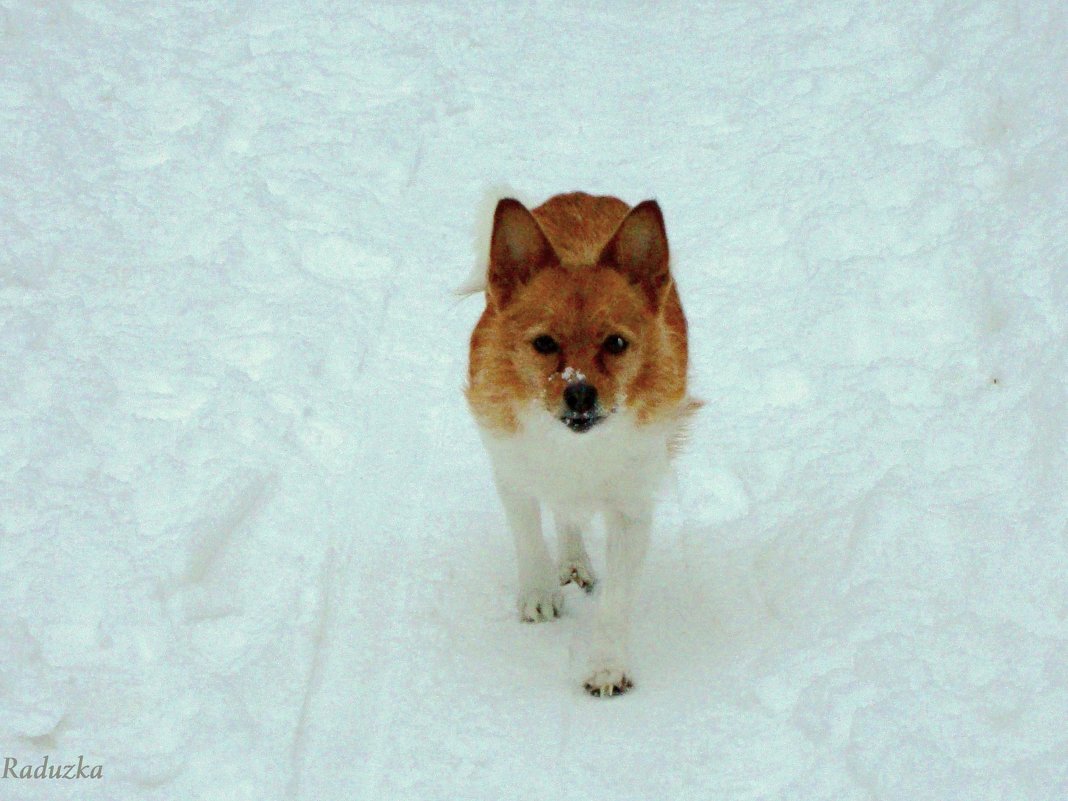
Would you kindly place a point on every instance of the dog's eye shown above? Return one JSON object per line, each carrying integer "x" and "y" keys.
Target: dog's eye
{"x": 545, "y": 344}
{"x": 615, "y": 344}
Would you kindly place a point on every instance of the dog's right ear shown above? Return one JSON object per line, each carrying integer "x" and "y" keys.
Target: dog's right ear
{"x": 518, "y": 249}
{"x": 639, "y": 250}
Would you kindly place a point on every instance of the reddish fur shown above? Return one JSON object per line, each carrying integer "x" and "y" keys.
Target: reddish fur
{"x": 579, "y": 302}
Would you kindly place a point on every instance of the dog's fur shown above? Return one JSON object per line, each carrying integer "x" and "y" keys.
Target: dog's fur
{"x": 581, "y": 270}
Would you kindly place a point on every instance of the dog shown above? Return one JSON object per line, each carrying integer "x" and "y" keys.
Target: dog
{"x": 577, "y": 381}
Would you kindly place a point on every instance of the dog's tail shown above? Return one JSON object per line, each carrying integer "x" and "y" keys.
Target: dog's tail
{"x": 689, "y": 407}
{"x": 483, "y": 230}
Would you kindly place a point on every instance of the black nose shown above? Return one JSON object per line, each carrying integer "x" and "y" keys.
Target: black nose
{"x": 580, "y": 397}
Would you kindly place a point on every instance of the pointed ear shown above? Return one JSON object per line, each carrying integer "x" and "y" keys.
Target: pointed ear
{"x": 639, "y": 250}
{"x": 518, "y": 249}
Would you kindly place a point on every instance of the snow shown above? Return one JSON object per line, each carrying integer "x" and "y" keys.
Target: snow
{"x": 571, "y": 375}
{"x": 250, "y": 543}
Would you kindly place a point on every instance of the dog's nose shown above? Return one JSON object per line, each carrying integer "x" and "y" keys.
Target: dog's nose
{"x": 580, "y": 397}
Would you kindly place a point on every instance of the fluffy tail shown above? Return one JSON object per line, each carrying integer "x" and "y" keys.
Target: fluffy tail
{"x": 483, "y": 229}
{"x": 689, "y": 407}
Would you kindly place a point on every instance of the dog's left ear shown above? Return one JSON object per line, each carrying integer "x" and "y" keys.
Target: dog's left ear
{"x": 518, "y": 249}
{"x": 639, "y": 250}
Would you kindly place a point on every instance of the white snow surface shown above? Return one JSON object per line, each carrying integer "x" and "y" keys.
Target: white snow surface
{"x": 249, "y": 542}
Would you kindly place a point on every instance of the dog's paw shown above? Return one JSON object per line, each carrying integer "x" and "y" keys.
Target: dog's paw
{"x": 607, "y": 682}
{"x": 539, "y": 606}
{"x": 579, "y": 572}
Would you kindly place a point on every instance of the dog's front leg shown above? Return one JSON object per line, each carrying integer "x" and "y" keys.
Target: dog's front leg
{"x": 574, "y": 561}
{"x": 539, "y": 589}
{"x": 628, "y": 540}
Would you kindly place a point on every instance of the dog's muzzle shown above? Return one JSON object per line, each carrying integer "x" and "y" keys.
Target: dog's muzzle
{"x": 581, "y": 401}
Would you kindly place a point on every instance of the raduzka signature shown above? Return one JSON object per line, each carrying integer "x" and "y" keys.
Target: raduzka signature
{"x": 46, "y": 769}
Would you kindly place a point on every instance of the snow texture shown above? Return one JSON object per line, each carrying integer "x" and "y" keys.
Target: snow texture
{"x": 249, "y": 542}
{"x": 571, "y": 375}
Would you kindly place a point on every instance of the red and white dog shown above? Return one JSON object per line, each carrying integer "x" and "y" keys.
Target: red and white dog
{"x": 577, "y": 380}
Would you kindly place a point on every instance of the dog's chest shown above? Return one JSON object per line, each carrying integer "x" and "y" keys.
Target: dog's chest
{"x": 614, "y": 465}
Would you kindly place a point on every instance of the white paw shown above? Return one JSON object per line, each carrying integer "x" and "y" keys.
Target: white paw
{"x": 578, "y": 570}
{"x": 538, "y": 605}
{"x": 606, "y": 682}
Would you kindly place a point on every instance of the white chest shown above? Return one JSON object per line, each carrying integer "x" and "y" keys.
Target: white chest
{"x": 616, "y": 464}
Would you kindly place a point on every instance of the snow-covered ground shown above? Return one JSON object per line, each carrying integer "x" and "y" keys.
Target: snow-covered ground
{"x": 249, "y": 544}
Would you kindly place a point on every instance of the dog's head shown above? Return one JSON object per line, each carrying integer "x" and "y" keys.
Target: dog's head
{"x": 583, "y": 340}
